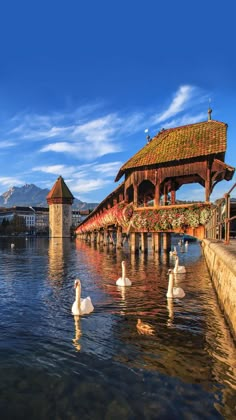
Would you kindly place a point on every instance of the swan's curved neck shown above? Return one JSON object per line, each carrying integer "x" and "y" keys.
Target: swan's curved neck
{"x": 123, "y": 271}
{"x": 176, "y": 263}
{"x": 77, "y": 296}
{"x": 170, "y": 286}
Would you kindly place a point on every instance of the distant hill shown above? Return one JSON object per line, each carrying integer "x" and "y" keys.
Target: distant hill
{"x": 31, "y": 195}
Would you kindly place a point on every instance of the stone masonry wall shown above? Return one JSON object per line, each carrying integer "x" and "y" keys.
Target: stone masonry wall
{"x": 221, "y": 262}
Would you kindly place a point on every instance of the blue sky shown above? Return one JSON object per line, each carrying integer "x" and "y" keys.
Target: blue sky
{"x": 81, "y": 81}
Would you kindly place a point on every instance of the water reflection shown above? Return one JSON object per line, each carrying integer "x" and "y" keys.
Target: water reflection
{"x": 170, "y": 308}
{"x": 189, "y": 358}
{"x": 58, "y": 251}
{"x": 78, "y": 333}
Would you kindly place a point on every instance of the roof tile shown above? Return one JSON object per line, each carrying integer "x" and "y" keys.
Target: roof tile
{"x": 185, "y": 142}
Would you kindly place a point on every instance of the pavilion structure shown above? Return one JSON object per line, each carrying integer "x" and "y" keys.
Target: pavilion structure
{"x": 146, "y": 200}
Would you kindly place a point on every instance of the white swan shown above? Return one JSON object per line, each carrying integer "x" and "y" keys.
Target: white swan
{"x": 81, "y": 306}
{"x": 173, "y": 292}
{"x": 174, "y": 252}
{"x": 123, "y": 281}
{"x": 179, "y": 269}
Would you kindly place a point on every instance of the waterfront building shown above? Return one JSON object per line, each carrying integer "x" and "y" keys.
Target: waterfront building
{"x": 36, "y": 219}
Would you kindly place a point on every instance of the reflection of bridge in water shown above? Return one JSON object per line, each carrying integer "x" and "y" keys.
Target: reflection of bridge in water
{"x": 145, "y": 203}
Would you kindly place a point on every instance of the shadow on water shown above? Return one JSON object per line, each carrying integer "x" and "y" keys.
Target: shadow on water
{"x": 55, "y": 365}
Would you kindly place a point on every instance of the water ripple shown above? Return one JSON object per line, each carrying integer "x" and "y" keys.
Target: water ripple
{"x": 189, "y": 358}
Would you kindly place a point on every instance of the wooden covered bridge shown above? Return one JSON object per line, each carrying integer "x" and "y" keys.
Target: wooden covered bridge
{"x": 145, "y": 202}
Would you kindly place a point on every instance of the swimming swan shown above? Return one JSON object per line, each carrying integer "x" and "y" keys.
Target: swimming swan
{"x": 174, "y": 252}
{"x": 178, "y": 269}
{"x": 81, "y": 306}
{"x": 144, "y": 328}
{"x": 173, "y": 292}
{"x": 123, "y": 281}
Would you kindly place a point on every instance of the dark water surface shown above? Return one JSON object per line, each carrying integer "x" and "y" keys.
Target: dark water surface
{"x": 55, "y": 366}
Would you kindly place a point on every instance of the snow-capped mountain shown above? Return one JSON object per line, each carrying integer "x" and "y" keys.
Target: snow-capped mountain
{"x": 31, "y": 195}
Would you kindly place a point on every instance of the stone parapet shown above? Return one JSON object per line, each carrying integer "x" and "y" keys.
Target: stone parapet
{"x": 221, "y": 262}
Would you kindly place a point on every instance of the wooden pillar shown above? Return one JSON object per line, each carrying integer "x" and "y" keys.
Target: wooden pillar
{"x": 126, "y": 196}
{"x": 105, "y": 237}
{"x": 134, "y": 242}
{"x": 98, "y": 238}
{"x": 119, "y": 237}
{"x": 172, "y": 195}
{"x": 165, "y": 195}
{"x": 156, "y": 241}
{"x": 144, "y": 242}
{"x": 135, "y": 194}
{"x": 157, "y": 195}
{"x": 208, "y": 182}
{"x": 92, "y": 237}
{"x": 166, "y": 241}
{"x": 110, "y": 237}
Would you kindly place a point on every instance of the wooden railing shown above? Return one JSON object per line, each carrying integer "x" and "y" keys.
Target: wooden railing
{"x": 219, "y": 225}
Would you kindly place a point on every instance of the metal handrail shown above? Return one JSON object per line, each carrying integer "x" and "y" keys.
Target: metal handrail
{"x": 218, "y": 227}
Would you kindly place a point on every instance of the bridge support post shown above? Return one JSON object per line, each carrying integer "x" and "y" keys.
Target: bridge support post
{"x": 156, "y": 242}
{"x": 166, "y": 241}
{"x": 110, "y": 237}
{"x": 105, "y": 237}
{"x": 119, "y": 237}
{"x": 134, "y": 242}
{"x": 144, "y": 242}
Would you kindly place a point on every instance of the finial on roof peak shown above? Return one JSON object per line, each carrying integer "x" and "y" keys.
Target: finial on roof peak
{"x": 209, "y": 111}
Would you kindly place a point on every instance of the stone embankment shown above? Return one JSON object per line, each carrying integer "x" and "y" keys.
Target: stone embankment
{"x": 221, "y": 262}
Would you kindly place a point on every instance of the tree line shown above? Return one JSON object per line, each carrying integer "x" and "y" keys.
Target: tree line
{"x": 15, "y": 225}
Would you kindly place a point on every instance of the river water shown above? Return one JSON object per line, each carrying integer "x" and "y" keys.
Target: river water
{"x": 56, "y": 366}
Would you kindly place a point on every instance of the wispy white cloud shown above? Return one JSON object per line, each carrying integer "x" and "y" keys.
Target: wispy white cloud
{"x": 99, "y": 129}
{"x": 9, "y": 181}
{"x": 179, "y": 102}
{"x": 61, "y": 147}
{"x": 55, "y": 169}
{"x": 39, "y": 134}
{"x": 7, "y": 143}
{"x": 82, "y": 150}
{"x": 88, "y": 185}
{"x": 108, "y": 169}
{"x": 86, "y": 178}
{"x": 186, "y": 119}
{"x": 72, "y": 143}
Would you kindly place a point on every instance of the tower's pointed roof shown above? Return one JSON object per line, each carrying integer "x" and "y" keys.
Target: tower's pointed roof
{"x": 60, "y": 192}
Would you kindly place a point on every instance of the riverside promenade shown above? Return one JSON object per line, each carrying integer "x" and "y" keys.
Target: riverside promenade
{"x": 221, "y": 262}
